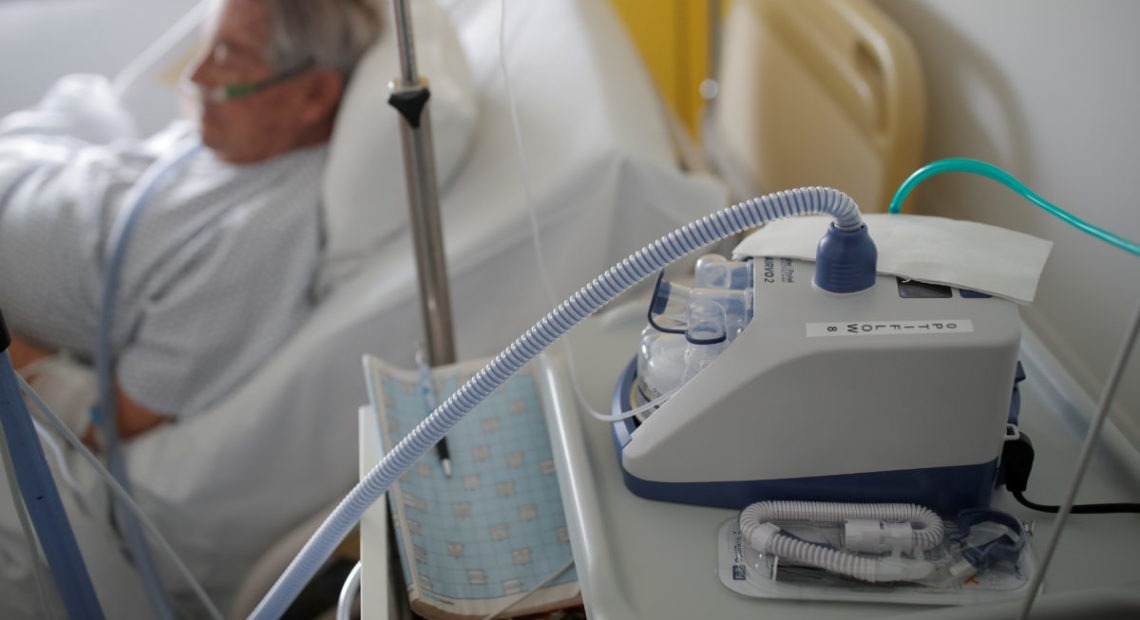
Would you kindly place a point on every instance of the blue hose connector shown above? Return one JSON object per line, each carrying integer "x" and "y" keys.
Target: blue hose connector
{"x": 845, "y": 260}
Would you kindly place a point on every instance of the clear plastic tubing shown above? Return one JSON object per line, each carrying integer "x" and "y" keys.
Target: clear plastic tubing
{"x": 596, "y": 294}
{"x": 118, "y": 243}
{"x": 757, "y": 528}
{"x": 974, "y": 166}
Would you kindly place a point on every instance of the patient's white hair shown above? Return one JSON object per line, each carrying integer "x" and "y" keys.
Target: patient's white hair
{"x": 328, "y": 33}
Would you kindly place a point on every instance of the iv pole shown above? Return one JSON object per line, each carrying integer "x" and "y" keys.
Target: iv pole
{"x": 409, "y": 95}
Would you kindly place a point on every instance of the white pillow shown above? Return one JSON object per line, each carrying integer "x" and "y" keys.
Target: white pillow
{"x": 365, "y": 193}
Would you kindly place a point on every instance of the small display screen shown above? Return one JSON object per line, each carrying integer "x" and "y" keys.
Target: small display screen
{"x": 913, "y": 289}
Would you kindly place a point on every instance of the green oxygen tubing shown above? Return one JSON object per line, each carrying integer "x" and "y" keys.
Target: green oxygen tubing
{"x": 961, "y": 164}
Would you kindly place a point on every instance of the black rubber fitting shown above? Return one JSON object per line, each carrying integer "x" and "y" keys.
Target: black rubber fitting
{"x": 410, "y": 104}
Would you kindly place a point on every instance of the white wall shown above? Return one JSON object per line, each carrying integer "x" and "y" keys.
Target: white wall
{"x": 40, "y": 40}
{"x": 1049, "y": 90}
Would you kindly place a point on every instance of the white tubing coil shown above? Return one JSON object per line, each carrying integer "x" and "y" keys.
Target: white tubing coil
{"x": 757, "y": 528}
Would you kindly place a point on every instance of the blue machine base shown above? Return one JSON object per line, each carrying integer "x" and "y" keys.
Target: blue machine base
{"x": 946, "y": 490}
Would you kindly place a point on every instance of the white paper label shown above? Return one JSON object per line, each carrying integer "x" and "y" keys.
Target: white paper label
{"x": 889, "y": 328}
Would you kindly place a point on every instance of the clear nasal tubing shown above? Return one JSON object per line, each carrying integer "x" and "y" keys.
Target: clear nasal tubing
{"x": 596, "y": 294}
{"x": 230, "y": 92}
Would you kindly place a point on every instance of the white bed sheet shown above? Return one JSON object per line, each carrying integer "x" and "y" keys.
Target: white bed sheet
{"x": 226, "y": 485}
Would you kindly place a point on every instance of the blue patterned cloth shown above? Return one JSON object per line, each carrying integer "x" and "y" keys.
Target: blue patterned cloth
{"x": 496, "y": 527}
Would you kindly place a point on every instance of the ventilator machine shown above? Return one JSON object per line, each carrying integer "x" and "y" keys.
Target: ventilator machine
{"x": 898, "y": 391}
{"x": 864, "y": 407}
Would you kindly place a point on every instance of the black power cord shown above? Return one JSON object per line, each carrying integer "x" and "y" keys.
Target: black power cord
{"x": 1017, "y": 461}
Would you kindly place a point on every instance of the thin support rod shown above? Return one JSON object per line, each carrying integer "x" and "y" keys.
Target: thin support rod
{"x": 405, "y": 43}
{"x": 1110, "y": 385}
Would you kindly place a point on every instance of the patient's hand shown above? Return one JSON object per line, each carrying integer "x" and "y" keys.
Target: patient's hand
{"x": 132, "y": 418}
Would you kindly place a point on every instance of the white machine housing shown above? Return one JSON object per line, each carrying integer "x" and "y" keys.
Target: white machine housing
{"x": 889, "y": 394}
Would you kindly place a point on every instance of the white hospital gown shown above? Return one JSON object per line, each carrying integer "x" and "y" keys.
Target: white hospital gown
{"x": 219, "y": 271}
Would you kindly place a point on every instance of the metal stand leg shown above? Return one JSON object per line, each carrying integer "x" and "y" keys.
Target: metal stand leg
{"x": 41, "y": 497}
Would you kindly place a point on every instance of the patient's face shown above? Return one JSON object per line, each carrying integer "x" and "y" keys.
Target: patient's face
{"x": 266, "y": 123}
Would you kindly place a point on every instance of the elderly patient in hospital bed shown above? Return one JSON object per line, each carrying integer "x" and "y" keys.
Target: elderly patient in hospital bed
{"x": 275, "y": 254}
{"x": 221, "y": 271}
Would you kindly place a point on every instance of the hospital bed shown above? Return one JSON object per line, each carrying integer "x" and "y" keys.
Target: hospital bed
{"x": 599, "y": 178}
